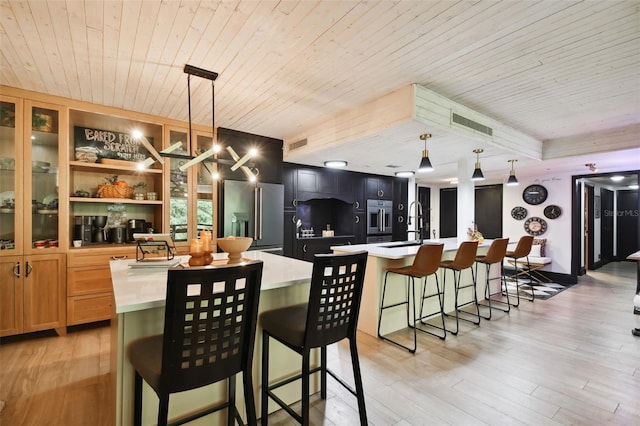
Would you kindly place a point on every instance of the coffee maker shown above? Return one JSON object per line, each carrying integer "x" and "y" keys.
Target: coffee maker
{"x": 135, "y": 226}
{"x": 89, "y": 229}
{"x": 83, "y": 229}
{"x": 99, "y": 222}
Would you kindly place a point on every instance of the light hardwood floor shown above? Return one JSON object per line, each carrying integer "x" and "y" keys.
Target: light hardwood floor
{"x": 567, "y": 360}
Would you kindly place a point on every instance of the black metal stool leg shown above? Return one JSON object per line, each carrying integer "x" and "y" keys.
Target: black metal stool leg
{"x": 474, "y": 278}
{"x": 515, "y": 276}
{"x": 383, "y": 307}
{"x": 440, "y": 304}
{"x": 489, "y": 295}
{"x": 137, "y": 400}
{"x": 455, "y": 295}
{"x": 265, "y": 381}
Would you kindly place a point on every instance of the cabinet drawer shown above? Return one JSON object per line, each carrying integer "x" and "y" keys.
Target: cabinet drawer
{"x": 100, "y": 257}
{"x": 85, "y": 309}
{"x": 87, "y": 280}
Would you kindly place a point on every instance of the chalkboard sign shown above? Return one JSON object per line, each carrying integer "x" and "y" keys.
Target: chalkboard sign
{"x": 92, "y": 145}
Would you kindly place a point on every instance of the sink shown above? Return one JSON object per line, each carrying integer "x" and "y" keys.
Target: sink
{"x": 403, "y": 244}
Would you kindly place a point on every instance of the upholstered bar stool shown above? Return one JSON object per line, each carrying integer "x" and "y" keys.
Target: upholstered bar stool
{"x": 495, "y": 255}
{"x": 425, "y": 263}
{"x": 209, "y": 334}
{"x": 330, "y": 316}
{"x": 464, "y": 259}
{"x": 522, "y": 250}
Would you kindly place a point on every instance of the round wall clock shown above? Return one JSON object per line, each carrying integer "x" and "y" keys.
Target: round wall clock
{"x": 535, "y": 194}
{"x": 518, "y": 213}
{"x": 552, "y": 211}
{"x": 535, "y": 226}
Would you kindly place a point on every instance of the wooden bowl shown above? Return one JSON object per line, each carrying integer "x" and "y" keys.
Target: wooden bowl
{"x": 234, "y": 246}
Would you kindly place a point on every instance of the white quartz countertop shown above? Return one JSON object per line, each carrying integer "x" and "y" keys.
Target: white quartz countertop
{"x": 144, "y": 288}
{"x": 634, "y": 256}
{"x": 392, "y": 251}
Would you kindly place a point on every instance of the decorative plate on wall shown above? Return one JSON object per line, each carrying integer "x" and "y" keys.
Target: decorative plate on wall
{"x": 535, "y": 194}
{"x": 552, "y": 211}
{"x": 519, "y": 212}
{"x": 535, "y": 226}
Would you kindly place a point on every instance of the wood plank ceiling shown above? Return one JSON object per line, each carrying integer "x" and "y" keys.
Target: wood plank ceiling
{"x": 562, "y": 72}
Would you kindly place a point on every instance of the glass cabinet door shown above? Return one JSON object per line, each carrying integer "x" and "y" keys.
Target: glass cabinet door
{"x": 178, "y": 187}
{"x": 42, "y": 184}
{"x": 10, "y": 169}
{"x": 206, "y": 187}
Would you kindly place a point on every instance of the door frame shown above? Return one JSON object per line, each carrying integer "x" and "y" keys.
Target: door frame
{"x": 577, "y": 230}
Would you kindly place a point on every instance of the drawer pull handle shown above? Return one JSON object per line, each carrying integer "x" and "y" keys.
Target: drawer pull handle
{"x": 124, "y": 256}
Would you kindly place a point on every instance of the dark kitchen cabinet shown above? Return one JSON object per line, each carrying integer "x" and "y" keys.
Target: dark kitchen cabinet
{"x": 289, "y": 179}
{"x": 400, "y": 209}
{"x": 360, "y": 227}
{"x": 324, "y": 183}
{"x": 315, "y": 181}
{"x": 346, "y": 185}
{"x": 289, "y": 240}
{"x": 379, "y": 187}
{"x": 309, "y": 247}
{"x": 359, "y": 189}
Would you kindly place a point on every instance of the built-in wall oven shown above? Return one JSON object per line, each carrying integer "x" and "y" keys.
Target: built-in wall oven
{"x": 379, "y": 219}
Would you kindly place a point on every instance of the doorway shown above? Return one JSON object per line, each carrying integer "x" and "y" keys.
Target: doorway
{"x": 605, "y": 221}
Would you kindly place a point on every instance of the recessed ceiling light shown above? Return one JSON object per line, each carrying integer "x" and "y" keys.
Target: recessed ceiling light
{"x": 404, "y": 174}
{"x": 634, "y": 186}
{"x": 335, "y": 163}
{"x": 616, "y": 178}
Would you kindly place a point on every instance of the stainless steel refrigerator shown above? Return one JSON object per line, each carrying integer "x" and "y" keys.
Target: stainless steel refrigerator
{"x": 254, "y": 210}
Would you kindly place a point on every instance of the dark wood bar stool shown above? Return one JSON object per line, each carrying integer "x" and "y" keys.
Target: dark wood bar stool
{"x": 209, "y": 334}
{"x": 426, "y": 263}
{"x": 464, "y": 259}
{"x": 495, "y": 254}
{"x": 522, "y": 250}
{"x": 330, "y": 316}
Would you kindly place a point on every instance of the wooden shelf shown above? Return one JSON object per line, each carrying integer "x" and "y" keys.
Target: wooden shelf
{"x": 80, "y": 165}
{"x": 114, "y": 201}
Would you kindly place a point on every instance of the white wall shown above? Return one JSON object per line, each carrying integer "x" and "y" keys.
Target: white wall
{"x": 558, "y": 234}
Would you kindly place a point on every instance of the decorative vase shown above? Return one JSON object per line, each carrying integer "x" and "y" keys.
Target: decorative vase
{"x": 208, "y": 258}
{"x": 196, "y": 259}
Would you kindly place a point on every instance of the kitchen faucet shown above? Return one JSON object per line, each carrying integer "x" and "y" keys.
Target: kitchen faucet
{"x": 418, "y": 217}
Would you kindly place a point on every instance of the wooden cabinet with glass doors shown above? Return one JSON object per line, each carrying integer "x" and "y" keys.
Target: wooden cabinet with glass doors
{"x": 32, "y": 218}
{"x": 106, "y": 195}
{"x": 191, "y": 207}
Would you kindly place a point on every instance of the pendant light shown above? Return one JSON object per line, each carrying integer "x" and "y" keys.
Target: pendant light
{"x": 513, "y": 180}
{"x": 477, "y": 172}
{"x": 425, "y": 163}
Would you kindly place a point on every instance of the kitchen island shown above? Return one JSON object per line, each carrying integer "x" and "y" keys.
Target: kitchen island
{"x": 139, "y": 295}
{"x": 397, "y": 254}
